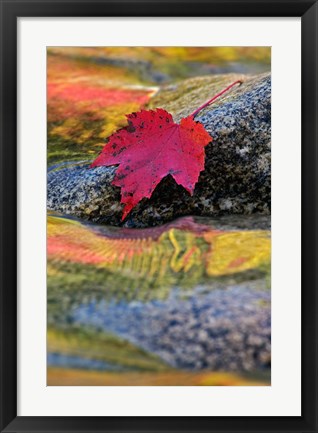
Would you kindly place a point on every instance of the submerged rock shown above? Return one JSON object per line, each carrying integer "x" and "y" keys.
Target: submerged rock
{"x": 223, "y": 330}
{"x": 237, "y": 175}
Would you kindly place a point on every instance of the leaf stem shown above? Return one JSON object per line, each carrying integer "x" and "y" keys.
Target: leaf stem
{"x": 215, "y": 97}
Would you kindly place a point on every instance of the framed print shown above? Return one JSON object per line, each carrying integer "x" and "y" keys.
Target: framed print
{"x": 158, "y": 216}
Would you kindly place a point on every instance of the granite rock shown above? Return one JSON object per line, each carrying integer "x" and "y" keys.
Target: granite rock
{"x": 223, "y": 330}
{"x": 237, "y": 174}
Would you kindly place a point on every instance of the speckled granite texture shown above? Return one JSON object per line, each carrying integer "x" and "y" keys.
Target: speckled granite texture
{"x": 237, "y": 175}
{"x": 223, "y": 330}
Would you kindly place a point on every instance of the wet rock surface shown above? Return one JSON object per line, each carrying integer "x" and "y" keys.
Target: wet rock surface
{"x": 222, "y": 330}
{"x": 237, "y": 175}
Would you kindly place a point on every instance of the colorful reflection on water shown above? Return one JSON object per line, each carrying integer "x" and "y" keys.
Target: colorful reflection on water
{"x": 185, "y": 297}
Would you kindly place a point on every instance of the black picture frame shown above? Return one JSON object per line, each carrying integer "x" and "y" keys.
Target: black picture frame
{"x": 10, "y": 11}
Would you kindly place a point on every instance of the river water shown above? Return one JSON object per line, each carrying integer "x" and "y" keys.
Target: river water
{"x": 193, "y": 295}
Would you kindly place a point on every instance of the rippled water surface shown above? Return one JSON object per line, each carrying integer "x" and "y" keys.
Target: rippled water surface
{"x": 191, "y": 296}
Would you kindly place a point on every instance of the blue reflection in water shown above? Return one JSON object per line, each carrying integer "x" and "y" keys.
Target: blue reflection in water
{"x": 71, "y": 361}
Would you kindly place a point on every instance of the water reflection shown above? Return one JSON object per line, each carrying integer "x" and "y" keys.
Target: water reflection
{"x": 191, "y": 295}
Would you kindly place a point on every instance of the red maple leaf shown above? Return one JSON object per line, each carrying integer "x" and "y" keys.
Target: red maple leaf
{"x": 153, "y": 146}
